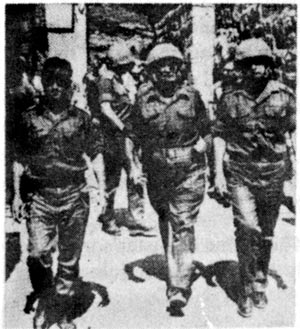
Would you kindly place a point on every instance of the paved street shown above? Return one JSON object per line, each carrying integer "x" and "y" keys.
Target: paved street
{"x": 133, "y": 272}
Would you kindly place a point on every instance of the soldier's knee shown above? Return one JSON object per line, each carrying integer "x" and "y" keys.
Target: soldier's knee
{"x": 39, "y": 260}
{"x": 246, "y": 224}
{"x": 246, "y": 230}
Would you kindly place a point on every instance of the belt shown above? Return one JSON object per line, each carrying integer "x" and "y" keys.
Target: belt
{"x": 35, "y": 183}
{"x": 177, "y": 152}
{"x": 173, "y": 155}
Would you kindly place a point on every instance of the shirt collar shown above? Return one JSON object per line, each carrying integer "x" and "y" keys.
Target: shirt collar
{"x": 271, "y": 87}
{"x": 45, "y": 110}
{"x": 181, "y": 92}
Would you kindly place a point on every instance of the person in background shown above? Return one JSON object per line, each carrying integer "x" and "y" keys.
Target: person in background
{"x": 250, "y": 127}
{"x": 169, "y": 125}
{"x": 116, "y": 96}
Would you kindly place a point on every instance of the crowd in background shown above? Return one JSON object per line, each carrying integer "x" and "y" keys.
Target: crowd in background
{"x": 276, "y": 24}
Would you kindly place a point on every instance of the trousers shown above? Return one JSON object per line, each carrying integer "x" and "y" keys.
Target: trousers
{"x": 176, "y": 192}
{"x": 114, "y": 163}
{"x": 56, "y": 217}
{"x": 255, "y": 211}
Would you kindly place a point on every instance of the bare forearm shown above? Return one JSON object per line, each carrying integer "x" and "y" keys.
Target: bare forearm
{"x": 99, "y": 170}
{"x": 129, "y": 150}
{"x": 219, "y": 152}
{"x": 18, "y": 171}
{"x": 111, "y": 115}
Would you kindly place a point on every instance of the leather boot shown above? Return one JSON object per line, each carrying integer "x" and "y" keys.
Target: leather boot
{"x": 260, "y": 299}
{"x": 41, "y": 277}
{"x": 40, "y": 319}
{"x": 111, "y": 228}
{"x": 245, "y": 306}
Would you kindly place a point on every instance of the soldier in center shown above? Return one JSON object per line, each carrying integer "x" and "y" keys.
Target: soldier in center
{"x": 170, "y": 124}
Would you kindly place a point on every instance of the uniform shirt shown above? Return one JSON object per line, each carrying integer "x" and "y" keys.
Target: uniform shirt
{"x": 112, "y": 89}
{"x": 254, "y": 129}
{"x": 178, "y": 121}
{"x": 52, "y": 148}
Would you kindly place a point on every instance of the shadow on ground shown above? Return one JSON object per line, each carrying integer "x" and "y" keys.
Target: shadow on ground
{"x": 77, "y": 306}
{"x": 224, "y": 274}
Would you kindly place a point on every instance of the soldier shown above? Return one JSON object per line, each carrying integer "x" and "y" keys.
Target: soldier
{"x": 169, "y": 124}
{"x": 116, "y": 98}
{"x": 53, "y": 138}
{"x": 251, "y": 124}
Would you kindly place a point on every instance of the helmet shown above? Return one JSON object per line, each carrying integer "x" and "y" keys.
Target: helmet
{"x": 120, "y": 54}
{"x": 164, "y": 50}
{"x": 251, "y": 48}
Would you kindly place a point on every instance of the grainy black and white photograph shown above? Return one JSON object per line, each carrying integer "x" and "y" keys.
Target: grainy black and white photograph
{"x": 150, "y": 163}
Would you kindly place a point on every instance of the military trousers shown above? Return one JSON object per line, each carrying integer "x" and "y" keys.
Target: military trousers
{"x": 176, "y": 190}
{"x": 255, "y": 211}
{"x": 57, "y": 218}
{"x": 114, "y": 163}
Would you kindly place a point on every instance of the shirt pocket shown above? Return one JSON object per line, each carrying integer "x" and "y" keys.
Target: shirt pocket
{"x": 186, "y": 111}
{"x": 275, "y": 106}
{"x": 150, "y": 112}
{"x": 274, "y": 110}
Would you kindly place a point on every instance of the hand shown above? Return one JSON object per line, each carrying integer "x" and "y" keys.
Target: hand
{"x": 18, "y": 209}
{"x": 137, "y": 176}
{"x": 200, "y": 146}
{"x": 101, "y": 204}
{"x": 98, "y": 200}
{"x": 221, "y": 185}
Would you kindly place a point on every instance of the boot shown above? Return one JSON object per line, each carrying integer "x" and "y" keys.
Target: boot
{"x": 41, "y": 318}
{"x": 260, "y": 299}
{"x": 111, "y": 228}
{"x": 178, "y": 299}
{"x": 245, "y": 306}
{"x": 41, "y": 277}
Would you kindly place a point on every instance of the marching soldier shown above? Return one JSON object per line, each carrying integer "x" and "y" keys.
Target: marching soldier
{"x": 169, "y": 124}
{"x": 251, "y": 124}
{"x": 116, "y": 96}
{"x": 53, "y": 138}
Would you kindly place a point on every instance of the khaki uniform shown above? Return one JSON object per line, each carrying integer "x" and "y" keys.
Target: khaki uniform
{"x": 53, "y": 186}
{"x": 112, "y": 89}
{"x": 167, "y": 130}
{"x": 254, "y": 132}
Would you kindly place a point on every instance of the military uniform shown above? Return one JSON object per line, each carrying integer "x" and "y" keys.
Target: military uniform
{"x": 112, "y": 89}
{"x": 51, "y": 148}
{"x": 167, "y": 129}
{"x": 254, "y": 129}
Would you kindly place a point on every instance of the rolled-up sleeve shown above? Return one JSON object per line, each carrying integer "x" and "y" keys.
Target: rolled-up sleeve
{"x": 105, "y": 90}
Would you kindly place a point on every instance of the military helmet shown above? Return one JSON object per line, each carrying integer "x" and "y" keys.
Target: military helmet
{"x": 253, "y": 48}
{"x": 163, "y": 50}
{"x": 120, "y": 54}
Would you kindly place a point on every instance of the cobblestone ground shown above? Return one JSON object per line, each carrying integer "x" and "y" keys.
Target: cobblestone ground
{"x": 133, "y": 272}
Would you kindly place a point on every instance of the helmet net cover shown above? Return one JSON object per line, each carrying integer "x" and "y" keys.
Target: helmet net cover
{"x": 120, "y": 54}
{"x": 162, "y": 51}
{"x": 254, "y": 49}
